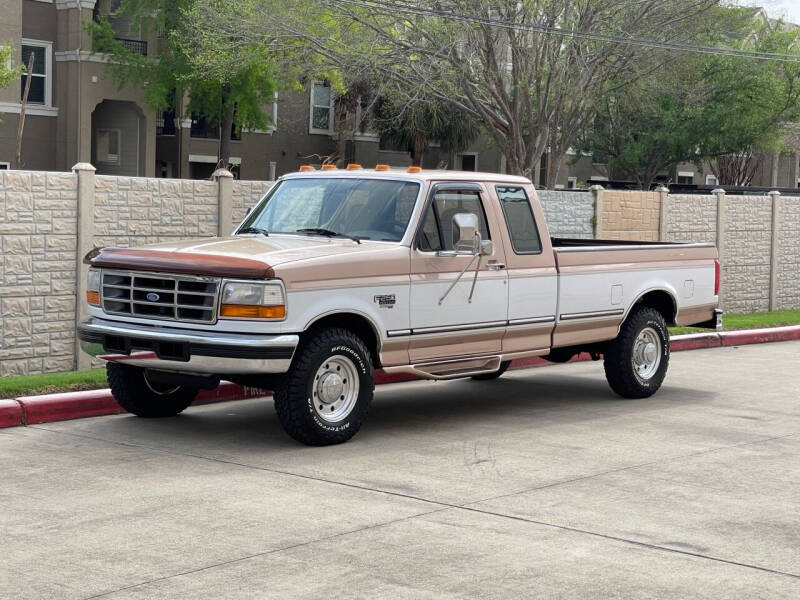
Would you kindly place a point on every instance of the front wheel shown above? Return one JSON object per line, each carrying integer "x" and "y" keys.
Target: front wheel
{"x": 636, "y": 361}
{"x": 134, "y": 392}
{"x": 326, "y": 394}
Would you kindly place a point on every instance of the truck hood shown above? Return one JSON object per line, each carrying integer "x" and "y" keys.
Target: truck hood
{"x": 236, "y": 256}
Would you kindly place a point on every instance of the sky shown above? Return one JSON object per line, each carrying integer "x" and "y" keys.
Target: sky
{"x": 789, "y": 9}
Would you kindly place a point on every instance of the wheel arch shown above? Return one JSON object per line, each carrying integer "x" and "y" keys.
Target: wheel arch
{"x": 357, "y": 322}
{"x": 659, "y": 299}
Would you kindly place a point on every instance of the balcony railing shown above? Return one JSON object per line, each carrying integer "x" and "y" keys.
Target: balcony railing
{"x": 137, "y": 46}
{"x": 165, "y": 123}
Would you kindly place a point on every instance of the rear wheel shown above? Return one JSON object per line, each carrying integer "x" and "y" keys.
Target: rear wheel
{"x": 326, "y": 395}
{"x": 636, "y": 361}
{"x": 144, "y": 398}
{"x": 489, "y": 376}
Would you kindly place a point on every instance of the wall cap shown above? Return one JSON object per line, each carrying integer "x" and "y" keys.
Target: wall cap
{"x": 84, "y": 166}
{"x": 662, "y": 188}
{"x": 717, "y": 191}
{"x": 774, "y": 193}
{"x": 221, "y": 173}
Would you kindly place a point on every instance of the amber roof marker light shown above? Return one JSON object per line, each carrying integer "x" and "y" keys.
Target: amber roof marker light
{"x": 382, "y": 167}
{"x": 304, "y": 168}
{"x": 328, "y": 167}
{"x": 354, "y": 167}
{"x": 414, "y": 169}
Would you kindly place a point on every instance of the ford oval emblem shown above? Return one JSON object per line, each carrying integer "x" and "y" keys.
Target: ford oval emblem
{"x": 153, "y": 297}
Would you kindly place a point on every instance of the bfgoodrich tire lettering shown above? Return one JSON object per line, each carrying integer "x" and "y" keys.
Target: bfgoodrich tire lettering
{"x": 328, "y": 390}
{"x": 636, "y": 361}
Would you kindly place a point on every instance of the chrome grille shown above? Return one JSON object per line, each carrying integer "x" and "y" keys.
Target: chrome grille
{"x": 158, "y": 296}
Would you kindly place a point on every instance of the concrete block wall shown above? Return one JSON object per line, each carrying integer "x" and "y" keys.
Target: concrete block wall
{"x": 245, "y": 195}
{"x": 690, "y": 218}
{"x": 787, "y": 286}
{"x": 38, "y": 238}
{"x": 130, "y": 211}
{"x": 629, "y": 215}
{"x": 747, "y": 241}
{"x": 568, "y": 214}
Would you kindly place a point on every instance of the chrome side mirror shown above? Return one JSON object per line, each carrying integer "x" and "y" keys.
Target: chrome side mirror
{"x": 465, "y": 228}
{"x": 487, "y": 248}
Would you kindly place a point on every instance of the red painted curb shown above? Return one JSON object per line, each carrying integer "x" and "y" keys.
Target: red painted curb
{"x": 94, "y": 403}
{"x": 10, "y": 413}
{"x": 759, "y": 336}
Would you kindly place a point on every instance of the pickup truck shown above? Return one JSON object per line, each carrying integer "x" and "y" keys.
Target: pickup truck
{"x": 338, "y": 272}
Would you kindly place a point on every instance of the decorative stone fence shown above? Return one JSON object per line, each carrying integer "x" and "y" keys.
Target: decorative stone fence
{"x": 49, "y": 221}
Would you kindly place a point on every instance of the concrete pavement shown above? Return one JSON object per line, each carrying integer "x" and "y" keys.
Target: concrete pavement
{"x": 542, "y": 483}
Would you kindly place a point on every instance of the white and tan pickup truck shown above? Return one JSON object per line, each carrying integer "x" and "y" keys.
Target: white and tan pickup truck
{"x": 337, "y": 273}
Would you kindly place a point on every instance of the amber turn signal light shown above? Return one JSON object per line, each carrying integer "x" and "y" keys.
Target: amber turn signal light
{"x": 252, "y": 311}
{"x": 93, "y": 298}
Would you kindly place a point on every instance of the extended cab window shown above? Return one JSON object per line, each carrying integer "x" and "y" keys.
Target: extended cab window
{"x": 437, "y": 226}
{"x": 519, "y": 218}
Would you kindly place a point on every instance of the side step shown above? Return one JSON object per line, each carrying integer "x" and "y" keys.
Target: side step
{"x": 451, "y": 369}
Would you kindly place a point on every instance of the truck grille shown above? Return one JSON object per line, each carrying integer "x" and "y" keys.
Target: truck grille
{"x": 157, "y": 296}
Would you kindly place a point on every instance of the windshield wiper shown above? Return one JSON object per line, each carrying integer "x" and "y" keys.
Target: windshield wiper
{"x": 328, "y": 233}
{"x": 260, "y": 230}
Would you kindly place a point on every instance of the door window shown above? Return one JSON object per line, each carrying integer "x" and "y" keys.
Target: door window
{"x": 437, "y": 226}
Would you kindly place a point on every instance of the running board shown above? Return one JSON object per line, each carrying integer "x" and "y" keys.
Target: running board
{"x": 451, "y": 369}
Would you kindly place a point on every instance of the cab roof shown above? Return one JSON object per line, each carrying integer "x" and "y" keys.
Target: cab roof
{"x": 423, "y": 175}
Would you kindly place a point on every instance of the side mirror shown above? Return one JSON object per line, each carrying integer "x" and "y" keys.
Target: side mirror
{"x": 487, "y": 248}
{"x": 465, "y": 226}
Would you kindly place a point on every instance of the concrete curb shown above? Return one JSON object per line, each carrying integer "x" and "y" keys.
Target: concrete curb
{"x": 30, "y": 410}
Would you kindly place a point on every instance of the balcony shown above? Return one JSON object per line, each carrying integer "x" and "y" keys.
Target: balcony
{"x": 136, "y": 46}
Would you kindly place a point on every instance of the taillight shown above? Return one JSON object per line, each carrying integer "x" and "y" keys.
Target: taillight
{"x": 716, "y": 278}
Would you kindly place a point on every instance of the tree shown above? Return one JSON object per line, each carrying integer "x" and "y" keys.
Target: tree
{"x": 697, "y": 108}
{"x": 185, "y": 64}
{"x": 517, "y": 66}
{"x": 8, "y": 72}
{"x": 414, "y": 126}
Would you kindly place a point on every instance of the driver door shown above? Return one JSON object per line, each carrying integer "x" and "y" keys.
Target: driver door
{"x": 443, "y": 324}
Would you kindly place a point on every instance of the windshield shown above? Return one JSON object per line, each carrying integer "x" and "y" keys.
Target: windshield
{"x": 368, "y": 209}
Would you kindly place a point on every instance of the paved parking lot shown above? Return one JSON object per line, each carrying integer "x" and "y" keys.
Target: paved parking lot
{"x": 539, "y": 484}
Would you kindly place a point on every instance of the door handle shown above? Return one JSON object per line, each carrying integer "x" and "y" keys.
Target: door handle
{"x": 495, "y": 266}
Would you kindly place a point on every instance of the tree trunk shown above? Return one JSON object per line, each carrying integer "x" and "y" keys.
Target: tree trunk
{"x": 225, "y": 138}
{"x": 418, "y": 146}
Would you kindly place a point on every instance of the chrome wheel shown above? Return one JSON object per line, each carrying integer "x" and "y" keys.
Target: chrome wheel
{"x": 335, "y": 388}
{"x": 646, "y": 356}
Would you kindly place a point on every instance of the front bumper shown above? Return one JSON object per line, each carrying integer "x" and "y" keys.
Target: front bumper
{"x": 173, "y": 349}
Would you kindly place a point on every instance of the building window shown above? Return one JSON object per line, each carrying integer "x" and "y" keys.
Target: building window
{"x": 572, "y": 183}
{"x": 686, "y": 177}
{"x": 41, "y": 88}
{"x": 201, "y": 128}
{"x": 468, "y": 162}
{"x": 4, "y": 166}
{"x": 321, "y": 114}
{"x": 712, "y": 180}
{"x": 108, "y": 146}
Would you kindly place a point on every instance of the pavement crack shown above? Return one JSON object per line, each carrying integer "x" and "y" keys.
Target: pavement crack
{"x": 265, "y": 553}
{"x": 467, "y": 506}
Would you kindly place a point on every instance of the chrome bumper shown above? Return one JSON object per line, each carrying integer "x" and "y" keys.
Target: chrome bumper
{"x": 173, "y": 349}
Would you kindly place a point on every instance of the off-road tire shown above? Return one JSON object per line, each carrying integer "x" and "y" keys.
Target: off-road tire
{"x": 294, "y": 396}
{"x": 489, "y": 376}
{"x": 618, "y": 357}
{"x": 136, "y": 395}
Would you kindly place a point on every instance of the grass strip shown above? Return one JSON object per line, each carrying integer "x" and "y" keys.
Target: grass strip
{"x": 13, "y": 386}
{"x": 756, "y": 320}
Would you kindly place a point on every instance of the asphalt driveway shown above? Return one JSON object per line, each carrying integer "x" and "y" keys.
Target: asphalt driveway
{"x": 542, "y": 483}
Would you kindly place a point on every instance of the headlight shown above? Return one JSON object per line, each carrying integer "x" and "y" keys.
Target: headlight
{"x": 245, "y": 300}
{"x": 93, "y": 287}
